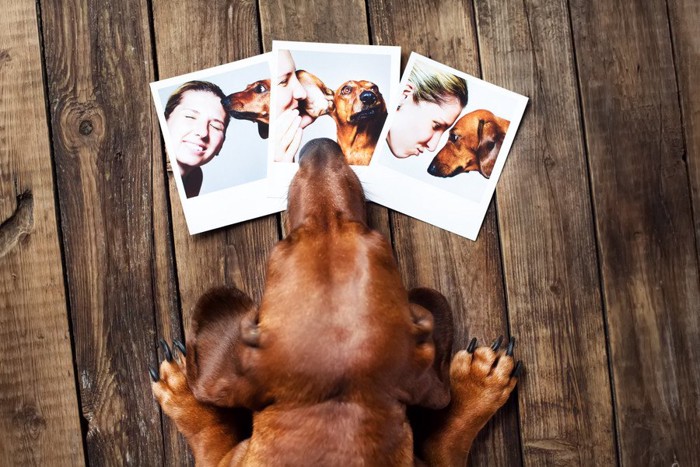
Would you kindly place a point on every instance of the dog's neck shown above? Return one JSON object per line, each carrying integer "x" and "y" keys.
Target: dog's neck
{"x": 353, "y": 432}
{"x": 358, "y": 140}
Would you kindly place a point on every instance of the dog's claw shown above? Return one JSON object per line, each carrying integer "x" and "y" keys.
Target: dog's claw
{"x": 154, "y": 374}
{"x": 517, "y": 370}
{"x": 166, "y": 350}
{"x": 472, "y": 345}
{"x": 511, "y": 346}
{"x": 180, "y": 346}
{"x": 497, "y": 343}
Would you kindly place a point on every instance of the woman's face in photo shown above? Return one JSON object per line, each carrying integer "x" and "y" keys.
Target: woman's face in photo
{"x": 418, "y": 126}
{"x": 197, "y": 128}
{"x": 289, "y": 90}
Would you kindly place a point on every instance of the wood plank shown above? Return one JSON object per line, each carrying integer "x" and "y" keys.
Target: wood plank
{"x": 222, "y": 32}
{"x": 39, "y": 415}
{"x": 546, "y": 225}
{"x": 98, "y": 66}
{"x": 685, "y": 18}
{"x": 428, "y": 256}
{"x": 644, "y": 226}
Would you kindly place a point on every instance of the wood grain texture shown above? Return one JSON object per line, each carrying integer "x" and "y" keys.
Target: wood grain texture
{"x": 684, "y": 16}
{"x": 188, "y": 40}
{"x": 98, "y": 65}
{"x": 39, "y": 414}
{"x": 313, "y": 21}
{"x": 467, "y": 273}
{"x": 645, "y": 231}
{"x": 549, "y": 253}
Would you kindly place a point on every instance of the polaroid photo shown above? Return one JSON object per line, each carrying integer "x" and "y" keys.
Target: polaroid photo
{"x": 215, "y": 124}
{"x": 444, "y": 146}
{"x": 336, "y": 91}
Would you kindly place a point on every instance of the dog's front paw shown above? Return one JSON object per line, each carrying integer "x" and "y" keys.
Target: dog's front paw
{"x": 482, "y": 378}
{"x": 174, "y": 395}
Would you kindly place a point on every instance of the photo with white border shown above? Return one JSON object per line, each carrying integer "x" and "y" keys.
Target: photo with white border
{"x": 345, "y": 97}
{"x": 435, "y": 167}
{"x": 217, "y": 148}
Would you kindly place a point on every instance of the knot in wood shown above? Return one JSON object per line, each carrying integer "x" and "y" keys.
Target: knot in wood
{"x": 85, "y": 127}
{"x": 81, "y": 125}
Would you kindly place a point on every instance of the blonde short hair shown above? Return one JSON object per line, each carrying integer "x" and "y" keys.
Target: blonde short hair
{"x": 436, "y": 86}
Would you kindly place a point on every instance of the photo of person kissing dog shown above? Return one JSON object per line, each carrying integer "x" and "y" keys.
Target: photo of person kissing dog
{"x": 334, "y": 91}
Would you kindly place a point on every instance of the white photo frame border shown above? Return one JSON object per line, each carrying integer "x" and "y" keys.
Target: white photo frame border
{"x": 413, "y": 197}
{"x": 280, "y": 174}
{"x": 222, "y": 207}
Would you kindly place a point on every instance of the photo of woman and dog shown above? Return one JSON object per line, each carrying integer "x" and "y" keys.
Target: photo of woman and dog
{"x": 445, "y": 141}
{"x": 215, "y": 126}
{"x": 335, "y": 91}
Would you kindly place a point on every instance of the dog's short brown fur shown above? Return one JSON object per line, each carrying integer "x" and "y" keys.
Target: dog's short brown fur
{"x": 335, "y": 352}
{"x": 253, "y": 103}
{"x": 359, "y": 112}
{"x": 473, "y": 144}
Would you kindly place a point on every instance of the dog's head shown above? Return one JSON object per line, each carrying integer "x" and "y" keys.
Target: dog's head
{"x": 253, "y": 103}
{"x": 473, "y": 145}
{"x": 358, "y": 103}
{"x": 335, "y": 322}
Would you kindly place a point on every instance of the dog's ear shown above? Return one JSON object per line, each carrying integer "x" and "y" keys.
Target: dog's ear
{"x": 492, "y": 135}
{"x": 221, "y": 343}
{"x": 263, "y": 130}
{"x": 432, "y": 316}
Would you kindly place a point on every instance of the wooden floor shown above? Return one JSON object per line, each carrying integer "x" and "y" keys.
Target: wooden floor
{"x": 588, "y": 255}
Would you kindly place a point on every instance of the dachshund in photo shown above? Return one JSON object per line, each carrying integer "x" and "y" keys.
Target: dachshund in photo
{"x": 253, "y": 103}
{"x": 473, "y": 145}
{"x": 359, "y": 112}
{"x": 329, "y": 361}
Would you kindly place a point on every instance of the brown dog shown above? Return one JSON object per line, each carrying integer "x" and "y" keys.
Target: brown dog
{"x": 253, "y": 103}
{"x": 334, "y": 354}
{"x": 474, "y": 143}
{"x": 359, "y": 112}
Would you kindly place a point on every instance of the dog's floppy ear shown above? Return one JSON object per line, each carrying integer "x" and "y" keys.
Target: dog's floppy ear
{"x": 263, "y": 130}
{"x": 433, "y": 317}
{"x": 221, "y": 343}
{"x": 491, "y": 137}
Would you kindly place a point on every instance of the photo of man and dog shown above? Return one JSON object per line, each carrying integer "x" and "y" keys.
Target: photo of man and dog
{"x": 215, "y": 124}
{"x": 443, "y": 146}
{"x": 335, "y": 91}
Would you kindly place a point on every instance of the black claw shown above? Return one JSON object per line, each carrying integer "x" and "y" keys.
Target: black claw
{"x": 472, "y": 346}
{"x": 517, "y": 370}
{"x": 180, "y": 346}
{"x": 166, "y": 350}
{"x": 497, "y": 343}
{"x": 154, "y": 374}
{"x": 511, "y": 346}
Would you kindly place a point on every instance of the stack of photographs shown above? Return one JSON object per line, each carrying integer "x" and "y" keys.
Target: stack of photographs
{"x": 431, "y": 146}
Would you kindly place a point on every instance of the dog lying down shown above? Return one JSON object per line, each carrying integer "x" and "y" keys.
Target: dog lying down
{"x": 337, "y": 355}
